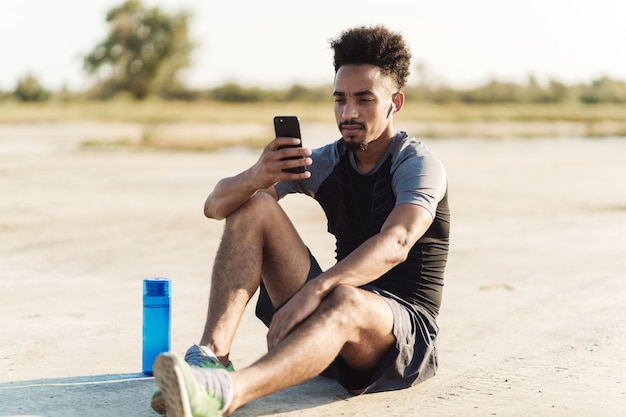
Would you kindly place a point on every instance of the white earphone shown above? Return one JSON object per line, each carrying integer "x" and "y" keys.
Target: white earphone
{"x": 392, "y": 110}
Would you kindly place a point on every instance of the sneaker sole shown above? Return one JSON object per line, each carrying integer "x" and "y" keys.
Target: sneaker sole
{"x": 158, "y": 403}
{"x": 169, "y": 378}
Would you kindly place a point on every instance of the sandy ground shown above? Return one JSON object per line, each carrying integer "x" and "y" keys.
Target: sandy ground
{"x": 532, "y": 322}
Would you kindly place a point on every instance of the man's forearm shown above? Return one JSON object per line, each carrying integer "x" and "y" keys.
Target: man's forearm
{"x": 365, "y": 264}
{"x": 228, "y": 195}
{"x": 380, "y": 253}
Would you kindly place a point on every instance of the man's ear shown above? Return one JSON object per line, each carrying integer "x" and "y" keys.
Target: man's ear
{"x": 397, "y": 101}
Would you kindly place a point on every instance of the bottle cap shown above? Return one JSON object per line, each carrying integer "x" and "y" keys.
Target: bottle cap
{"x": 157, "y": 287}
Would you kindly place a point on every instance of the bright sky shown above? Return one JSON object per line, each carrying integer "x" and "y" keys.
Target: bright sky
{"x": 280, "y": 42}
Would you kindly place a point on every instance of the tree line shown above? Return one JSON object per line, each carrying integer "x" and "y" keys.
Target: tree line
{"x": 146, "y": 48}
{"x": 598, "y": 91}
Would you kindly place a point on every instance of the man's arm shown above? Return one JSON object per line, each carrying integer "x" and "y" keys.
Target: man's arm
{"x": 404, "y": 226}
{"x": 230, "y": 193}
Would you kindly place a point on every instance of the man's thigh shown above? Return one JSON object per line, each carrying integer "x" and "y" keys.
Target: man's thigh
{"x": 411, "y": 359}
{"x": 285, "y": 258}
{"x": 265, "y": 308}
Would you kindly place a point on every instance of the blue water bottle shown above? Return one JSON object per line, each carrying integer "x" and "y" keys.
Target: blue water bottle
{"x": 156, "y": 320}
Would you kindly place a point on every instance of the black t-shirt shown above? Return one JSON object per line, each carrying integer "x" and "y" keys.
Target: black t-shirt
{"x": 356, "y": 206}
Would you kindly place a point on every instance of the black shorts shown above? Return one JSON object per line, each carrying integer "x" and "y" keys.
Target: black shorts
{"x": 411, "y": 360}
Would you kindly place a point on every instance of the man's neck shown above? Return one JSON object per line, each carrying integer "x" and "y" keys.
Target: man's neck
{"x": 367, "y": 159}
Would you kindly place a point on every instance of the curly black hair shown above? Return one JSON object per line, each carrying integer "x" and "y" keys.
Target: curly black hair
{"x": 374, "y": 45}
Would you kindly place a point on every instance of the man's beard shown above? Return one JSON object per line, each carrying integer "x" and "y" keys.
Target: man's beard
{"x": 354, "y": 146}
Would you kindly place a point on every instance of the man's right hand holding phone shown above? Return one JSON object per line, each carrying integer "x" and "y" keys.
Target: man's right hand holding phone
{"x": 279, "y": 155}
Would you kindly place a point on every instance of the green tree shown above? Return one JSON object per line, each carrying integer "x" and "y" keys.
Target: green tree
{"x": 28, "y": 88}
{"x": 143, "y": 53}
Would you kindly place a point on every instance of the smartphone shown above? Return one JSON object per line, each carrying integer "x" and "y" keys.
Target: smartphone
{"x": 289, "y": 127}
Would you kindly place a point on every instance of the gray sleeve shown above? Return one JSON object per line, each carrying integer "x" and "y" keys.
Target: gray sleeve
{"x": 418, "y": 176}
{"x": 324, "y": 160}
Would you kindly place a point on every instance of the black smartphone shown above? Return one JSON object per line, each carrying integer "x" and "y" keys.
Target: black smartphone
{"x": 289, "y": 127}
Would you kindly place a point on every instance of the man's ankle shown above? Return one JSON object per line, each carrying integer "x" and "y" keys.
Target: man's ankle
{"x": 224, "y": 358}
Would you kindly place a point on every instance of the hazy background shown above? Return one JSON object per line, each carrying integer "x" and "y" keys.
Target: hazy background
{"x": 462, "y": 43}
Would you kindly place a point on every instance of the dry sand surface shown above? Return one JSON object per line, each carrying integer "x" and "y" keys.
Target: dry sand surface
{"x": 532, "y": 322}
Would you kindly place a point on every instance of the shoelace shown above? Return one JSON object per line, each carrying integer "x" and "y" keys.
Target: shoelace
{"x": 196, "y": 356}
{"x": 202, "y": 357}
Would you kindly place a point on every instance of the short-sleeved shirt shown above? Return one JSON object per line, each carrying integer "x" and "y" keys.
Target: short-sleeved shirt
{"x": 356, "y": 205}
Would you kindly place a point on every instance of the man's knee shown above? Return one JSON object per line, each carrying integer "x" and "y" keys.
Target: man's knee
{"x": 358, "y": 310}
{"x": 254, "y": 209}
{"x": 345, "y": 302}
{"x": 257, "y": 204}
{"x": 366, "y": 321}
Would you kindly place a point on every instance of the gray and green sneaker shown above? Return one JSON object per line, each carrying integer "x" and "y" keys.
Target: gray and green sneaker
{"x": 198, "y": 356}
{"x": 192, "y": 391}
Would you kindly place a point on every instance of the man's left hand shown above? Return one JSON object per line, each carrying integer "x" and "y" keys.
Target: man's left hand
{"x": 296, "y": 310}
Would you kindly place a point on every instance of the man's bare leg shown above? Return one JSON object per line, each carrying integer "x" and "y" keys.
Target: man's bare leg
{"x": 257, "y": 239}
{"x": 350, "y": 322}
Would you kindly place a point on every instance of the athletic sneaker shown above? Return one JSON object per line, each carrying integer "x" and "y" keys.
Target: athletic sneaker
{"x": 200, "y": 356}
{"x": 192, "y": 391}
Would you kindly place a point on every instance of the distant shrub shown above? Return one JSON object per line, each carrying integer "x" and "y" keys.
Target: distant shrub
{"x": 603, "y": 90}
{"x": 235, "y": 93}
{"x": 299, "y": 92}
{"x": 180, "y": 92}
{"x": 29, "y": 89}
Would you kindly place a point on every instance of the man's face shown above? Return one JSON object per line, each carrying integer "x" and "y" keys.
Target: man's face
{"x": 363, "y": 98}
